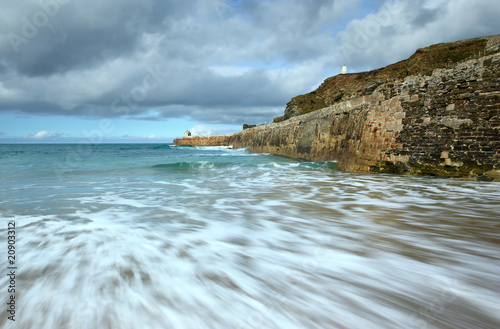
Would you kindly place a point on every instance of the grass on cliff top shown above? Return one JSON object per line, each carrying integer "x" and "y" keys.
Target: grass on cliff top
{"x": 443, "y": 54}
{"x": 346, "y": 86}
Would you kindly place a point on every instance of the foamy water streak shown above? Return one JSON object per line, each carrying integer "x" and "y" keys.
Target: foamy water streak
{"x": 211, "y": 238}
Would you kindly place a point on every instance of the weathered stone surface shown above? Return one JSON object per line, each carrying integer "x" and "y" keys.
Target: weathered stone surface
{"x": 400, "y": 128}
{"x": 424, "y": 124}
{"x": 203, "y": 141}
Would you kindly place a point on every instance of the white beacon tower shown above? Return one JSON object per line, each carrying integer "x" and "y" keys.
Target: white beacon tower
{"x": 344, "y": 69}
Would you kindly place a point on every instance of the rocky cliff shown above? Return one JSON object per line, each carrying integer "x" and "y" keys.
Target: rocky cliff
{"x": 444, "y": 122}
{"x": 348, "y": 86}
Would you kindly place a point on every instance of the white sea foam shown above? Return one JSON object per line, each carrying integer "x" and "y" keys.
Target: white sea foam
{"x": 273, "y": 244}
{"x": 214, "y": 148}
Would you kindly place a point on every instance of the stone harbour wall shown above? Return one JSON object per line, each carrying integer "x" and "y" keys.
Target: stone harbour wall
{"x": 203, "y": 141}
{"x": 443, "y": 123}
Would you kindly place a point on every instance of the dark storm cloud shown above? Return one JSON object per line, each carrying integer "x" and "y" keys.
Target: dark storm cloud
{"x": 215, "y": 60}
{"x": 91, "y": 59}
{"x": 53, "y": 36}
{"x": 425, "y": 16}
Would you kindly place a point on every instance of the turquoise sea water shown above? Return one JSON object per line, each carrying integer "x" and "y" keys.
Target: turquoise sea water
{"x": 161, "y": 236}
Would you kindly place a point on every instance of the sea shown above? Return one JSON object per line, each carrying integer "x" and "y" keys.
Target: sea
{"x": 150, "y": 236}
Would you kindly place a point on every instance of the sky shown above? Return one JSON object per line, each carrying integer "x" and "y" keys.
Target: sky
{"x": 146, "y": 71}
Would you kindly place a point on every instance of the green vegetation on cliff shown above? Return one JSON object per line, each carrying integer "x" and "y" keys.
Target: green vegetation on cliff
{"x": 347, "y": 86}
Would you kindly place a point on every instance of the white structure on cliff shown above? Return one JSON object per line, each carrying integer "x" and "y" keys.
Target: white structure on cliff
{"x": 187, "y": 134}
{"x": 344, "y": 69}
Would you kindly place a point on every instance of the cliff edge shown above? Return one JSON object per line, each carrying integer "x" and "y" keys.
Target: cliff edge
{"x": 417, "y": 116}
{"x": 344, "y": 87}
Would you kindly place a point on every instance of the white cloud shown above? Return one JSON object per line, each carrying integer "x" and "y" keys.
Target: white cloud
{"x": 202, "y": 130}
{"x": 229, "y": 70}
{"x": 44, "y": 135}
{"x": 399, "y": 27}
